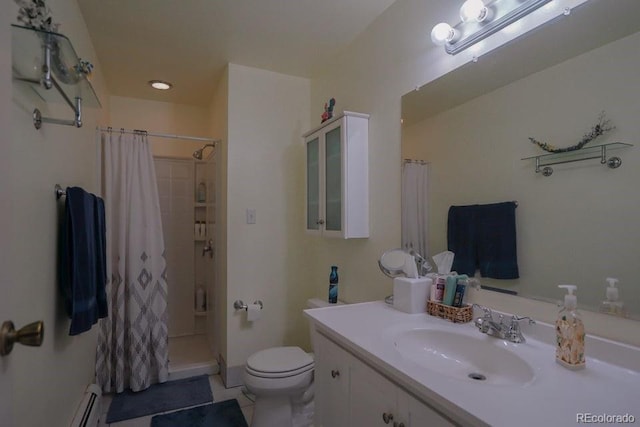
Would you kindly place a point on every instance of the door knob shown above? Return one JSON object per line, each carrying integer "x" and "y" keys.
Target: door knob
{"x": 31, "y": 334}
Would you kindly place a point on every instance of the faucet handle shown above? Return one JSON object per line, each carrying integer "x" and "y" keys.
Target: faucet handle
{"x": 515, "y": 319}
{"x": 486, "y": 310}
{"x": 515, "y": 334}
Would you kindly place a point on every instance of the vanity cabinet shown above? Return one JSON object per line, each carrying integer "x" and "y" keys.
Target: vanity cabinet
{"x": 331, "y": 378}
{"x": 351, "y": 393}
{"x": 337, "y": 177}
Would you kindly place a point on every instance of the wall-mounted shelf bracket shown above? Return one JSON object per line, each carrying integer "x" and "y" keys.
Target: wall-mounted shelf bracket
{"x": 544, "y": 161}
{"x": 58, "y": 70}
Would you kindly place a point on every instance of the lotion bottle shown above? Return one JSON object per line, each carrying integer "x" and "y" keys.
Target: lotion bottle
{"x": 611, "y": 305}
{"x": 570, "y": 332}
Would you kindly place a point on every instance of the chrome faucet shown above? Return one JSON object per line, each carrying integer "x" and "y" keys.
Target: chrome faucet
{"x": 507, "y": 331}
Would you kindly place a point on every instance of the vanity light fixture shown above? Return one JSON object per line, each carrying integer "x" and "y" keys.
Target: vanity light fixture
{"x": 160, "y": 85}
{"x": 479, "y": 20}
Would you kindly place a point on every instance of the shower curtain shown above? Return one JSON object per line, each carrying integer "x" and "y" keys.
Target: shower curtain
{"x": 414, "y": 207}
{"x": 133, "y": 340}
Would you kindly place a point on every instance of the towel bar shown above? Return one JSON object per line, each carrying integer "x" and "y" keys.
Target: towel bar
{"x": 60, "y": 192}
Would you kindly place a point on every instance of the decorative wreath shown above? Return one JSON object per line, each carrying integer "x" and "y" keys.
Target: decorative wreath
{"x": 36, "y": 14}
{"x": 603, "y": 125}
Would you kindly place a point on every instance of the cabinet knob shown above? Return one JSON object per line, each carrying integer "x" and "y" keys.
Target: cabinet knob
{"x": 387, "y": 418}
{"x": 320, "y": 221}
{"x": 335, "y": 373}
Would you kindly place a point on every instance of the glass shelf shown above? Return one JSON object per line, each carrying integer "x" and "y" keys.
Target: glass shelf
{"x": 44, "y": 61}
{"x": 544, "y": 161}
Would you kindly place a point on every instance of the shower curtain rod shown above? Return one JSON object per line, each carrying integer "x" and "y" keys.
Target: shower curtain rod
{"x": 159, "y": 135}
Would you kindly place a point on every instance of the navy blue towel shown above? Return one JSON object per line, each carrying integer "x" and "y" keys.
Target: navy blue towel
{"x": 83, "y": 269}
{"x": 484, "y": 237}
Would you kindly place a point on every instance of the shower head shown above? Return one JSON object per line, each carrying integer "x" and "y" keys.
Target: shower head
{"x": 198, "y": 153}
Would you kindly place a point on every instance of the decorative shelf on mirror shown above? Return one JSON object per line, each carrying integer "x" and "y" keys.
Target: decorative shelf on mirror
{"x": 544, "y": 161}
{"x": 45, "y": 61}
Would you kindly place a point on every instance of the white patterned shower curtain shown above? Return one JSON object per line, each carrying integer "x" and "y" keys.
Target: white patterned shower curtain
{"x": 133, "y": 340}
{"x": 415, "y": 182}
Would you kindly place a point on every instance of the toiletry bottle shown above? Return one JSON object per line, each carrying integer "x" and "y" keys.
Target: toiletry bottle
{"x": 570, "y": 333}
{"x": 439, "y": 284}
{"x": 202, "y": 192}
{"x": 611, "y": 305}
{"x": 461, "y": 286}
{"x": 333, "y": 285}
{"x": 200, "y": 299}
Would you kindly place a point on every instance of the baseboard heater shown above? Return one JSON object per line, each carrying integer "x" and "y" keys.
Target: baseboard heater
{"x": 88, "y": 413}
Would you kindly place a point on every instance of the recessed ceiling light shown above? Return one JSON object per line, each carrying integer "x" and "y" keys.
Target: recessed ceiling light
{"x": 160, "y": 85}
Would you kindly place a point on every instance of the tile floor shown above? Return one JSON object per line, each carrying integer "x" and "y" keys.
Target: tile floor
{"x": 220, "y": 393}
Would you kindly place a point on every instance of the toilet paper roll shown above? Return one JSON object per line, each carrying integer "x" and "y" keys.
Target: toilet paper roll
{"x": 254, "y": 312}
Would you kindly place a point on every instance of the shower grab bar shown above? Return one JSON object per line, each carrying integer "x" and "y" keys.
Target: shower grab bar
{"x": 239, "y": 305}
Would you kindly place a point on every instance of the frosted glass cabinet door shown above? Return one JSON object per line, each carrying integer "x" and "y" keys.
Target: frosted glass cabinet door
{"x": 333, "y": 173}
{"x": 338, "y": 177}
{"x": 313, "y": 184}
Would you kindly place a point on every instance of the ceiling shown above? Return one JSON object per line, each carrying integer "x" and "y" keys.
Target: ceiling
{"x": 189, "y": 42}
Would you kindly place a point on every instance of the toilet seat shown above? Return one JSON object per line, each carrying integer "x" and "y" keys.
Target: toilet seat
{"x": 279, "y": 362}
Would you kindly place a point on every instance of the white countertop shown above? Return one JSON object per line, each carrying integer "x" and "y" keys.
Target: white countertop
{"x": 609, "y": 385}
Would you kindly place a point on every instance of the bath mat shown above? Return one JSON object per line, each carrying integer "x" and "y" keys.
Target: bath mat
{"x": 220, "y": 414}
{"x": 160, "y": 398}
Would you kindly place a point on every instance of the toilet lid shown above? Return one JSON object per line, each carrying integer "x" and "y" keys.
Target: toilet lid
{"x": 279, "y": 360}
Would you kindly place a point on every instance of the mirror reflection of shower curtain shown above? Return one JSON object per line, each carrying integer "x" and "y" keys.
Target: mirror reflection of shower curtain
{"x": 133, "y": 340}
{"x": 415, "y": 180}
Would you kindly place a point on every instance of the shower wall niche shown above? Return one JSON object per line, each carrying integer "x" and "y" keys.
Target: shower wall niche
{"x": 187, "y": 224}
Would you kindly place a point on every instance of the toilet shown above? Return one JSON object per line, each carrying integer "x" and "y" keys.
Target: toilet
{"x": 281, "y": 378}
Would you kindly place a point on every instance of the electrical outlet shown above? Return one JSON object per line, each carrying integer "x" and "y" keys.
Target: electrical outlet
{"x": 251, "y": 216}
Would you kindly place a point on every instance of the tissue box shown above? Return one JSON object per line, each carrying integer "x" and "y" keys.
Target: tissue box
{"x": 410, "y": 295}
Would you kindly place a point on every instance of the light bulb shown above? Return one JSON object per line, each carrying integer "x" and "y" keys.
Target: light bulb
{"x": 442, "y": 33}
{"x": 160, "y": 85}
{"x": 473, "y": 10}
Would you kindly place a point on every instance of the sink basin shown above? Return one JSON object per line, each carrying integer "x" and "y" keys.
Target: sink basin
{"x": 474, "y": 359}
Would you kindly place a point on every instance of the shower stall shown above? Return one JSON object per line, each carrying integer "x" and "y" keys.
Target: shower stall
{"x": 186, "y": 188}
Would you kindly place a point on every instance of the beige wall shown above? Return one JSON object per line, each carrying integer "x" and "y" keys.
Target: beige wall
{"x": 6, "y": 272}
{"x": 163, "y": 117}
{"x": 40, "y": 159}
{"x": 219, "y": 124}
{"x": 267, "y": 112}
{"x": 393, "y": 56}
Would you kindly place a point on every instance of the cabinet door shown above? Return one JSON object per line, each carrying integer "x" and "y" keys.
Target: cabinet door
{"x": 419, "y": 414}
{"x": 373, "y": 398}
{"x": 333, "y": 178}
{"x": 313, "y": 184}
{"x": 332, "y": 384}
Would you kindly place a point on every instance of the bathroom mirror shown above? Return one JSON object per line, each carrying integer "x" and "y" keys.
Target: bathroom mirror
{"x": 391, "y": 262}
{"x": 580, "y": 225}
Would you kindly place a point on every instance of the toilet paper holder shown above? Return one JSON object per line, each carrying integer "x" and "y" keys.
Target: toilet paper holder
{"x": 239, "y": 305}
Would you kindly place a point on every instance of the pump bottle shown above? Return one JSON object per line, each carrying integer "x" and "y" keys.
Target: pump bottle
{"x": 611, "y": 305}
{"x": 570, "y": 332}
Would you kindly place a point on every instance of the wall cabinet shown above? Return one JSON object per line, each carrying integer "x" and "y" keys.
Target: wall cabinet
{"x": 338, "y": 177}
{"x": 351, "y": 393}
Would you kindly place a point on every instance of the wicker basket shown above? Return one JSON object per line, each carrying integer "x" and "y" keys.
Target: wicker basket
{"x": 454, "y": 314}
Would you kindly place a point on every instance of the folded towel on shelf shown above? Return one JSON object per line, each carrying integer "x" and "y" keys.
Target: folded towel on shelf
{"x": 484, "y": 237}
{"x": 83, "y": 266}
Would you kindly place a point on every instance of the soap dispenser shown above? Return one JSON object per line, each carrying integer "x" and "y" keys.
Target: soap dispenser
{"x": 570, "y": 332}
{"x": 611, "y": 305}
